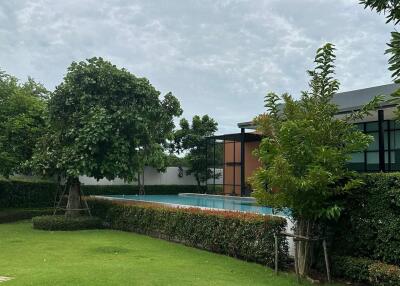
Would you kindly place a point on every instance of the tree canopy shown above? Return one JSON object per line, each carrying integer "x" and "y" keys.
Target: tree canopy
{"x": 106, "y": 123}
{"x": 191, "y": 138}
{"x": 22, "y": 121}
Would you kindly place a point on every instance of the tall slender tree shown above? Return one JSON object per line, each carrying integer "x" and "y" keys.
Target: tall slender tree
{"x": 304, "y": 153}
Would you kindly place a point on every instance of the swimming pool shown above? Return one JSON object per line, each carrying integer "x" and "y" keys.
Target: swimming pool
{"x": 202, "y": 201}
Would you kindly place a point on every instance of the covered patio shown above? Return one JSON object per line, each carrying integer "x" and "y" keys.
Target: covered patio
{"x": 233, "y": 154}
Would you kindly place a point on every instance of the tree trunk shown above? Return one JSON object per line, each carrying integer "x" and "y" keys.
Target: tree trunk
{"x": 304, "y": 248}
{"x": 74, "y": 198}
{"x": 141, "y": 182}
{"x": 198, "y": 183}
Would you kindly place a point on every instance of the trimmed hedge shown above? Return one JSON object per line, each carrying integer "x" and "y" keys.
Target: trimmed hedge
{"x": 365, "y": 270}
{"x": 66, "y": 223}
{"x": 11, "y": 215}
{"x": 16, "y": 193}
{"x": 134, "y": 190}
{"x": 370, "y": 224}
{"x": 353, "y": 268}
{"x": 242, "y": 235}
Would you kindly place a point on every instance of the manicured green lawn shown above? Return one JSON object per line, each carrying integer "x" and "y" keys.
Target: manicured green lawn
{"x": 105, "y": 257}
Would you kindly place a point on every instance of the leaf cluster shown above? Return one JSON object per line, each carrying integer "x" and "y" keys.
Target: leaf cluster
{"x": 391, "y": 8}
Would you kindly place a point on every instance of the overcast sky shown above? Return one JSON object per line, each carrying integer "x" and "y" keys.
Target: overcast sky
{"x": 218, "y": 57}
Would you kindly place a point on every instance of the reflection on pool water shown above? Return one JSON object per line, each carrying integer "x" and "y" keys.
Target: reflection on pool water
{"x": 206, "y": 201}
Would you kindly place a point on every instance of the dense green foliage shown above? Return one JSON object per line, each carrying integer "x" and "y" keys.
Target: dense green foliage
{"x": 114, "y": 258}
{"x": 17, "y": 193}
{"x": 241, "y": 235}
{"x": 305, "y": 150}
{"x": 391, "y": 8}
{"x": 61, "y": 222}
{"x": 22, "y": 121}
{"x": 105, "y": 123}
{"x": 191, "y": 138}
{"x": 366, "y": 271}
{"x": 26, "y": 194}
{"x": 10, "y": 215}
{"x": 370, "y": 223}
{"x": 175, "y": 161}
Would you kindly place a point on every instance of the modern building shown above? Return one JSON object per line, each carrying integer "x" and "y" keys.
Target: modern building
{"x": 233, "y": 152}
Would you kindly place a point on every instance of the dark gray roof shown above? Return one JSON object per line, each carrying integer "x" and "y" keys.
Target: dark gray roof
{"x": 354, "y": 99}
{"x": 247, "y": 137}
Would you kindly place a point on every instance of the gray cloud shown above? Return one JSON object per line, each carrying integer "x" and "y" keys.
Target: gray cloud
{"x": 217, "y": 57}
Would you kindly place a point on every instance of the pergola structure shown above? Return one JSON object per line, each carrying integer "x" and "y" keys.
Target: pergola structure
{"x": 233, "y": 153}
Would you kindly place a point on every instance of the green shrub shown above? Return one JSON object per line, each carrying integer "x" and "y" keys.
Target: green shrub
{"x": 352, "y": 268}
{"x": 370, "y": 224}
{"x": 134, "y": 190}
{"x": 17, "y": 193}
{"x": 10, "y": 215}
{"x": 384, "y": 274}
{"x": 66, "y": 223}
{"x": 242, "y": 235}
{"x": 366, "y": 271}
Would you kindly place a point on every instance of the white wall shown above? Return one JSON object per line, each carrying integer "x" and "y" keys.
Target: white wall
{"x": 153, "y": 177}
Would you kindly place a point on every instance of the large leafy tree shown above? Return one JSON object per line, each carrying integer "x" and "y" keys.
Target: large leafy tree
{"x": 304, "y": 153}
{"x": 104, "y": 122}
{"x": 22, "y": 121}
{"x": 391, "y": 8}
{"x": 190, "y": 138}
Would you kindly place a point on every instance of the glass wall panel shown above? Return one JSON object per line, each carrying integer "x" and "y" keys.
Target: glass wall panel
{"x": 395, "y": 157}
{"x": 369, "y": 159}
{"x": 374, "y": 146}
{"x": 357, "y": 158}
{"x": 372, "y": 161}
{"x": 396, "y": 138}
{"x": 371, "y": 126}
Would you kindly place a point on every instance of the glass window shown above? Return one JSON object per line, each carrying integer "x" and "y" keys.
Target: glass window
{"x": 392, "y": 140}
{"x": 357, "y": 158}
{"x": 386, "y": 139}
{"x": 389, "y": 125}
{"x": 391, "y": 145}
{"x": 372, "y": 157}
{"x": 396, "y": 139}
{"x": 372, "y": 161}
{"x": 387, "y": 156}
{"x": 374, "y": 146}
{"x": 371, "y": 126}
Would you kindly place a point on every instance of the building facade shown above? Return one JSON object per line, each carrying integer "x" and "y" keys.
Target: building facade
{"x": 233, "y": 152}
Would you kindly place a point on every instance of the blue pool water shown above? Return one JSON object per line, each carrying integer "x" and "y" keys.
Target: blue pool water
{"x": 207, "y": 201}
